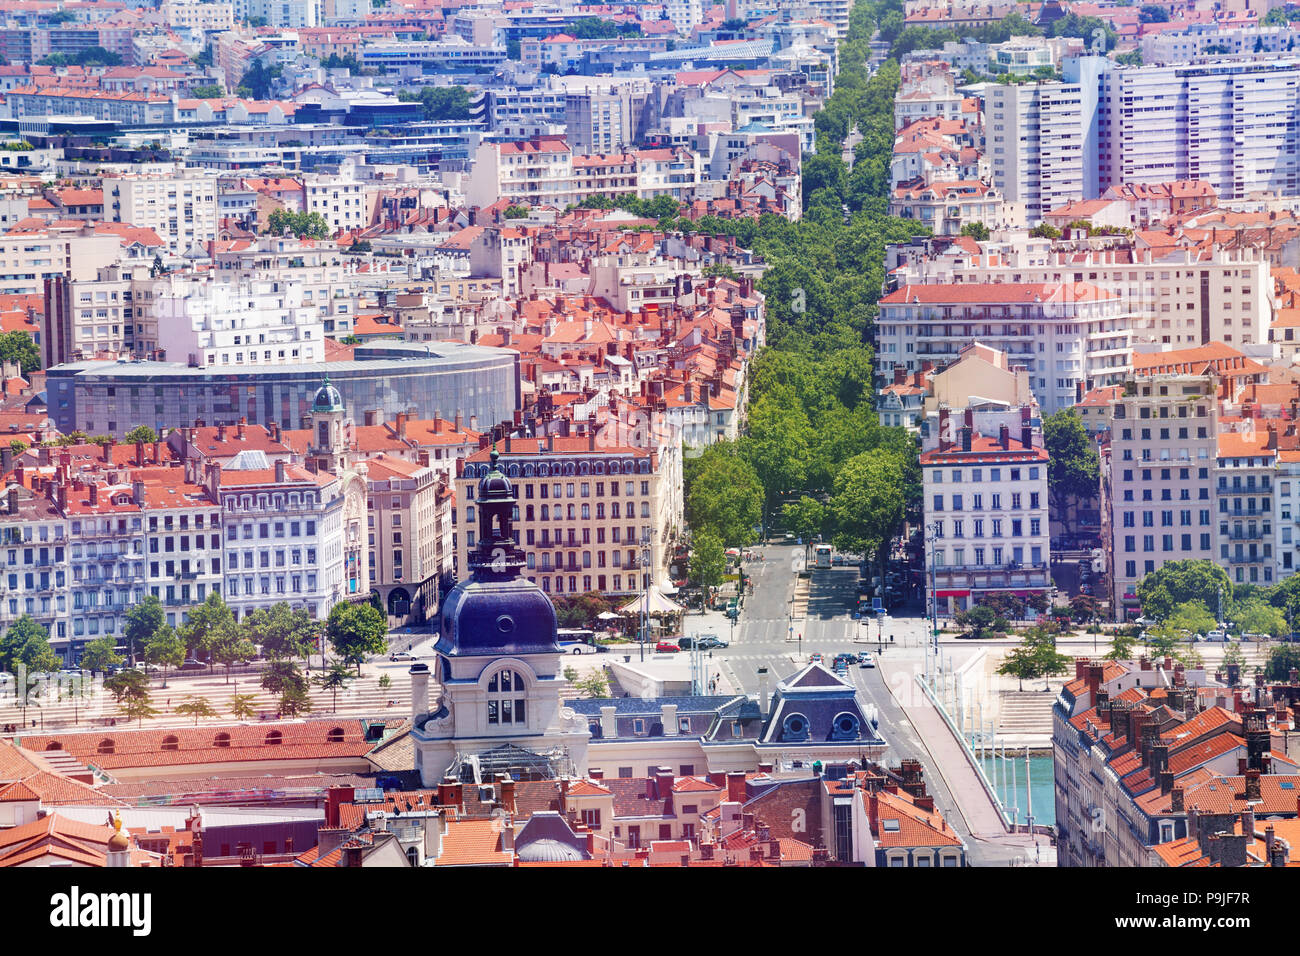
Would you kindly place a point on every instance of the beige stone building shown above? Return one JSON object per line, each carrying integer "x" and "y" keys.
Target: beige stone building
{"x": 592, "y": 516}
{"x": 409, "y": 521}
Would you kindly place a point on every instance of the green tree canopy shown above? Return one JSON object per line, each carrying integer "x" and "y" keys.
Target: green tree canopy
{"x": 1257, "y": 616}
{"x": 304, "y": 225}
{"x": 441, "y": 103}
{"x": 144, "y": 620}
{"x": 725, "y": 496}
{"x": 141, "y": 433}
{"x": 335, "y": 679}
{"x": 1177, "y": 582}
{"x": 211, "y": 629}
{"x": 867, "y": 506}
{"x": 164, "y": 648}
{"x": 196, "y": 707}
{"x": 1074, "y": 467}
{"x": 977, "y": 231}
{"x": 357, "y": 630}
{"x": 100, "y": 655}
{"x": 27, "y": 644}
{"x": 708, "y": 560}
{"x": 17, "y": 346}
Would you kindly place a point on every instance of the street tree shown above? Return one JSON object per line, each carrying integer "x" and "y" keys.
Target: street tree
{"x": 279, "y": 675}
{"x": 1257, "y": 616}
{"x": 356, "y": 631}
{"x": 137, "y": 708}
{"x": 26, "y": 644}
{"x": 1074, "y": 467}
{"x": 1121, "y": 648}
{"x": 868, "y": 503}
{"x": 708, "y": 560}
{"x": 1021, "y": 663}
{"x": 196, "y": 707}
{"x": 241, "y": 706}
{"x": 981, "y": 621}
{"x": 294, "y": 701}
{"x": 805, "y": 517}
{"x": 1281, "y": 661}
{"x": 1177, "y": 582}
{"x": 725, "y": 496}
{"x": 143, "y": 621}
{"x": 1190, "y": 618}
{"x": 100, "y": 655}
{"x": 210, "y": 628}
{"x": 336, "y": 678}
{"x": 164, "y": 649}
{"x": 141, "y": 433}
{"x": 128, "y": 685}
{"x": 593, "y": 684}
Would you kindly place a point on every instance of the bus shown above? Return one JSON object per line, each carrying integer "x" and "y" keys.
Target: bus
{"x": 822, "y": 556}
{"x": 577, "y": 641}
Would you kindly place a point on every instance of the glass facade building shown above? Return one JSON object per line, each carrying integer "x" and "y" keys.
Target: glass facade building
{"x": 442, "y": 378}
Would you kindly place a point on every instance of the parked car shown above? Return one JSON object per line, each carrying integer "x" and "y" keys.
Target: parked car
{"x": 710, "y": 643}
{"x": 193, "y": 665}
{"x": 666, "y": 647}
{"x": 401, "y": 656}
{"x": 1216, "y": 635}
{"x": 1252, "y": 636}
{"x": 866, "y": 660}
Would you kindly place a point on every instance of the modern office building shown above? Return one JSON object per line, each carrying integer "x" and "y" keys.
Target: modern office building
{"x": 388, "y": 378}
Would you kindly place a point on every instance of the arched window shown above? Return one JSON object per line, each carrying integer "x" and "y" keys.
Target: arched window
{"x": 335, "y": 736}
{"x": 529, "y": 471}
{"x": 413, "y": 856}
{"x": 568, "y": 469}
{"x": 223, "y": 740}
{"x": 54, "y": 745}
{"x": 795, "y": 727}
{"x": 544, "y": 470}
{"x": 845, "y": 727}
{"x": 171, "y": 742}
{"x": 506, "y": 706}
{"x": 274, "y": 738}
{"x": 106, "y": 746}
{"x": 599, "y": 468}
{"x": 584, "y": 469}
{"x": 513, "y": 471}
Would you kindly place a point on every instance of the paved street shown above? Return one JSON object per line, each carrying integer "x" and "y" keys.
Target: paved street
{"x": 762, "y": 639}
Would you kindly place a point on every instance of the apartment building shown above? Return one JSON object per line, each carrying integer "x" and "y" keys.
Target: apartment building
{"x": 1228, "y": 122}
{"x": 1136, "y": 772}
{"x": 606, "y": 120}
{"x": 1064, "y": 334}
{"x": 409, "y": 529}
{"x": 986, "y": 507}
{"x": 205, "y": 322}
{"x": 180, "y": 208}
{"x": 1244, "y": 473}
{"x": 1161, "y": 481}
{"x": 1042, "y": 138}
{"x": 204, "y": 16}
{"x": 538, "y": 171}
{"x": 85, "y": 318}
{"x": 284, "y": 537}
{"x": 1175, "y": 296}
{"x": 592, "y": 516}
{"x": 341, "y": 200}
{"x": 29, "y": 258}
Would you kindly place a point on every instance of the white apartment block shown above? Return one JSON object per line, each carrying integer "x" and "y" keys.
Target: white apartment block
{"x": 246, "y": 322}
{"x": 685, "y": 14}
{"x": 538, "y": 171}
{"x": 986, "y": 508}
{"x": 181, "y": 209}
{"x": 188, "y": 14}
{"x": 1287, "y": 515}
{"x": 1199, "y": 39}
{"x": 1064, "y": 334}
{"x": 1041, "y": 138}
{"x": 341, "y": 200}
{"x": 281, "y": 13}
{"x": 284, "y": 538}
{"x": 27, "y": 259}
{"x": 1230, "y": 123}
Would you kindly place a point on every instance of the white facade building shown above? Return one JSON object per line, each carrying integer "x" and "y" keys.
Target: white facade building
{"x": 237, "y": 323}
{"x": 182, "y": 208}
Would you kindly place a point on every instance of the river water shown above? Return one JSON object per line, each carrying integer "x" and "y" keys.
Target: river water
{"x": 1010, "y": 785}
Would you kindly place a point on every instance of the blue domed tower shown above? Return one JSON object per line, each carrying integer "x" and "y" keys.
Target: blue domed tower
{"x": 327, "y": 450}
{"x": 498, "y": 662}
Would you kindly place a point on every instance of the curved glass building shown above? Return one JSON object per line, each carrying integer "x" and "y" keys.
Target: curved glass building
{"x": 443, "y": 378}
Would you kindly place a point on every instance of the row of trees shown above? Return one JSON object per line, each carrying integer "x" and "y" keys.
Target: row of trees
{"x": 441, "y": 103}
{"x": 815, "y": 453}
{"x": 285, "y": 635}
{"x": 1098, "y": 35}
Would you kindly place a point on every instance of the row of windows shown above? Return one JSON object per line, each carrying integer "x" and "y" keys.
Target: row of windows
{"x": 543, "y": 470}
{"x": 977, "y": 502}
{"x": 1017, "y": 528}
{"x": 995, "y": 474}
